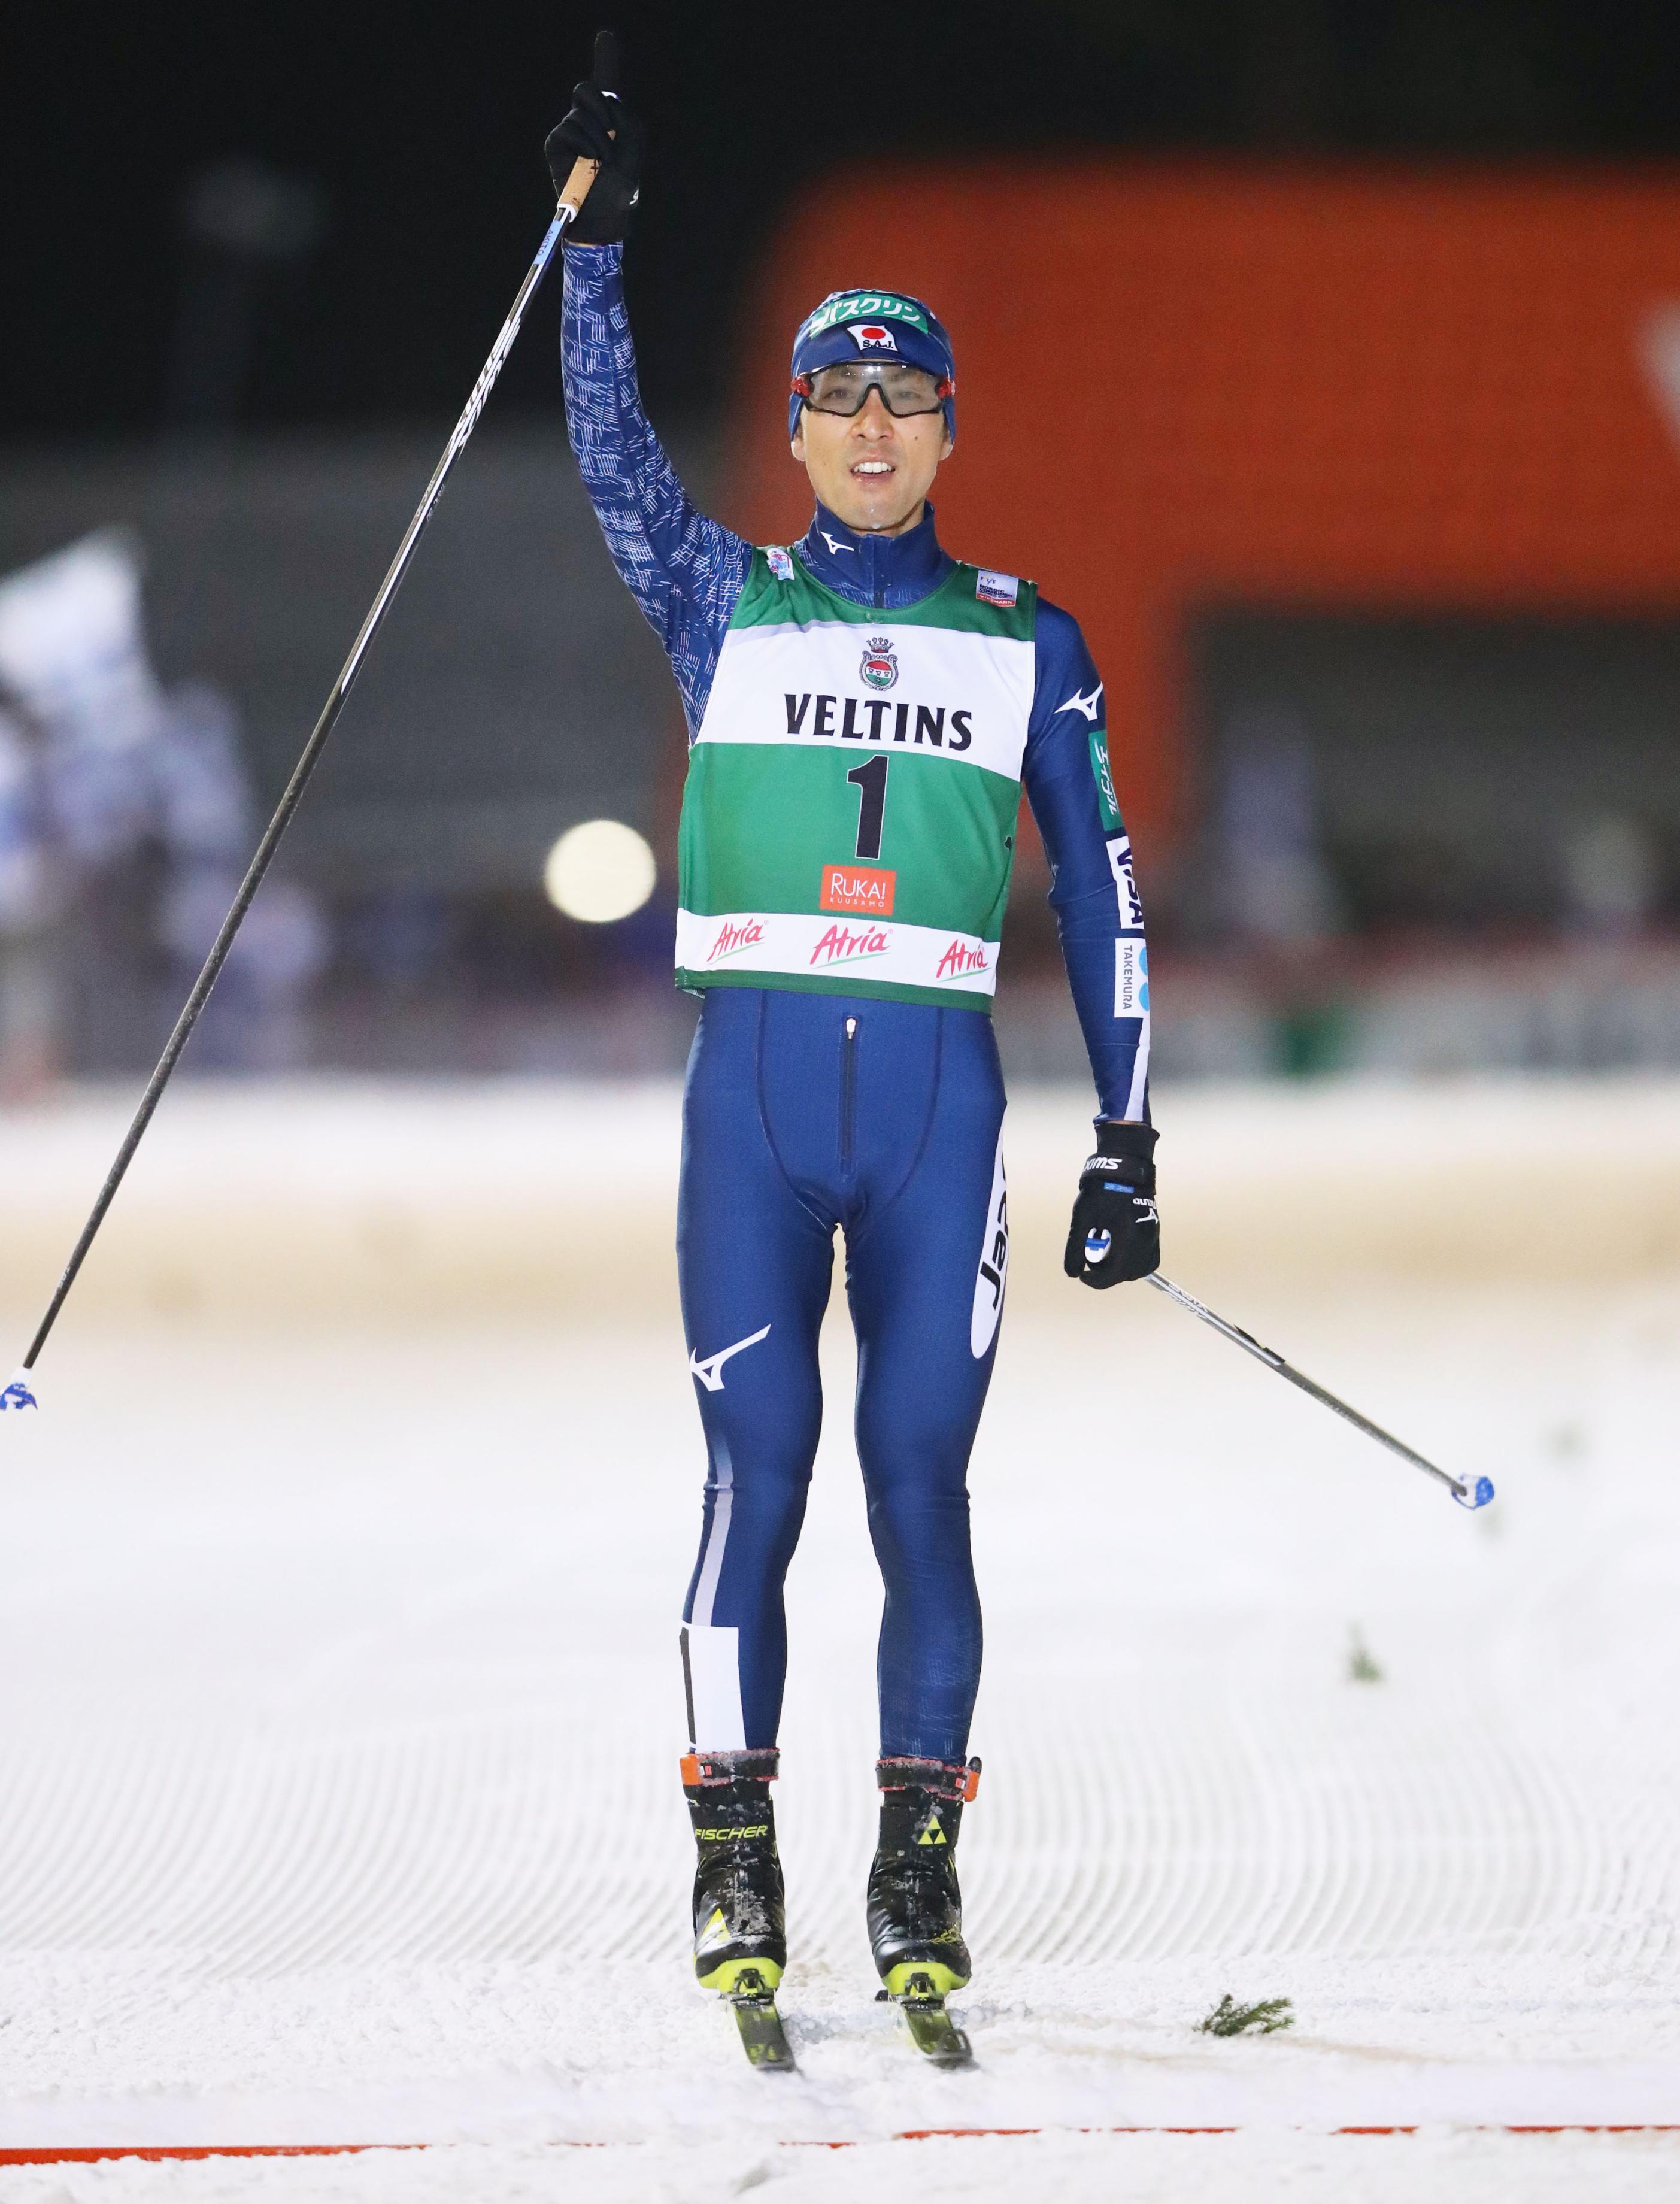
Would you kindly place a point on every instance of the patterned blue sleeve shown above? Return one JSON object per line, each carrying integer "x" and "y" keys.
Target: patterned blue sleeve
{"x": 685, "y": 572}
{"x": 1097, "y": 913}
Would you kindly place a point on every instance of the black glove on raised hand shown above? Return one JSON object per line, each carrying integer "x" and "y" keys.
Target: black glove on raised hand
{"x": 597, "y": 128}
{"x": 1116, "y": 1234}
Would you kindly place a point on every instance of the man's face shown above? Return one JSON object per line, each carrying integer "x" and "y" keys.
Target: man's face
{"x": 871, "y": 468}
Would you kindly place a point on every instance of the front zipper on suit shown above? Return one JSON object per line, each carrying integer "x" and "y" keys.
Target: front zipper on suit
{"x": 877, "y": 575}
{"x": 848, "y": 1092}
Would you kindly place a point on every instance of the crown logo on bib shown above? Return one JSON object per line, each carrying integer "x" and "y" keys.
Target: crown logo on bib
{"x": 879, "y": 667}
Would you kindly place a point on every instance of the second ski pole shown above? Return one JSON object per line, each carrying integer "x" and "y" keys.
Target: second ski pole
{"x": 1469, "y": 1493}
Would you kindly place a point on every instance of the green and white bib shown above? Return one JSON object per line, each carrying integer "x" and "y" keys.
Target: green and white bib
{"x": 850, "y": 817}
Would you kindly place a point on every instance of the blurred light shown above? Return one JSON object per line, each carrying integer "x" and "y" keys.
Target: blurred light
{"x": 600, "y": 871}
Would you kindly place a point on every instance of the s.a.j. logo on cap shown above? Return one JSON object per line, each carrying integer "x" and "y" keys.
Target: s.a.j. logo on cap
{"x": 878, "y": 665}
{"x": 872, "y": 336}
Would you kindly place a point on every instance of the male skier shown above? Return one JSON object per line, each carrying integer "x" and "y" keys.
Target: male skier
{"x": 864, "y": 713}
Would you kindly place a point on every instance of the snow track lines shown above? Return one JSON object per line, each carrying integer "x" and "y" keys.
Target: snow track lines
{"x": 339, "y": 1726}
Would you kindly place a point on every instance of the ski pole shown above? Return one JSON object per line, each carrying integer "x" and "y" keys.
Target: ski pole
{"x": 17, "y": 1393}
{"x": 1467, "y": 1495}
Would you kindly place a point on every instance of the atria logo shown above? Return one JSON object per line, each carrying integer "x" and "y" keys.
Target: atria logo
{"x": 960, "y": 959}
{"x": 733, "y": 939}
{"x": 844, "y": 944}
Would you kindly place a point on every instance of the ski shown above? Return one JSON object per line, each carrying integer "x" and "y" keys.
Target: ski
{"x": 930, "y": 2026}
{"x": 763, "y": 2038}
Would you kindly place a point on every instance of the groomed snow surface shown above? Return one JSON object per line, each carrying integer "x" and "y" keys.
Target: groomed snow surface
{"x": 340, "y": 1707}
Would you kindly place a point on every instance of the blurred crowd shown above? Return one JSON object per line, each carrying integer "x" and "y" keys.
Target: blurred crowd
{"x": 1282, "y": 945}
{"x": 125, "y": 822}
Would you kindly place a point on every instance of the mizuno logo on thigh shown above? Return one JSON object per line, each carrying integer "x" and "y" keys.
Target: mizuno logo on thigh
{"x": 710, "y": 1373}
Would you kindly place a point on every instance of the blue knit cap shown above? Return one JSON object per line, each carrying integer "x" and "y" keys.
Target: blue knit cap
{"x": 873, "y": 325}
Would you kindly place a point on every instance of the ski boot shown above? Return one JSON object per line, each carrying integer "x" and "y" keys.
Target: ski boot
{"x": 741, "y": 1945}
{"x": 915, "y": 1904}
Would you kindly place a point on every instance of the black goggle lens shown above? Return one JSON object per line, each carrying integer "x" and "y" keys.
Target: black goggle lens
{"x": 845, "y": 388}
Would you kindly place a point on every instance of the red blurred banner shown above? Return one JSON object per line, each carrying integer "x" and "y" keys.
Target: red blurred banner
{"x": 1181, "y": 385}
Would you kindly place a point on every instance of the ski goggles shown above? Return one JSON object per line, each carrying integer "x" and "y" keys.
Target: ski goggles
{"x": 845, "y": 388}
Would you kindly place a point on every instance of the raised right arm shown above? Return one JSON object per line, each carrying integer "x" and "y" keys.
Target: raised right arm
{"x": 685, "y": 572}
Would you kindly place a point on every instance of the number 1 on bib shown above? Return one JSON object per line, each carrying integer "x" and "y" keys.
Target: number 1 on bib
{"x": 871, "y": 782}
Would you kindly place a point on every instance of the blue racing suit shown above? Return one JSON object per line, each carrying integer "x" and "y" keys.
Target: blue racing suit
{"x": 804, "y": 1112}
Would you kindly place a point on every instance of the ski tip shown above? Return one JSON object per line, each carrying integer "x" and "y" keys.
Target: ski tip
{"x": 770, "y": 2055}
{"x": 1474, "y": 1496}
{"x": 763, "y": 2038}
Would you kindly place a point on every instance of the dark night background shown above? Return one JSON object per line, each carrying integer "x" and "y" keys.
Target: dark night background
{"x": 422, "y": 130}
{"x": 254, "y": 260}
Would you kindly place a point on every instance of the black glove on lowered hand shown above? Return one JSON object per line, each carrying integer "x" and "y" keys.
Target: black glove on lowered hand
{"x": 1116, "y": 1234}
{"x": 597, "y": 128}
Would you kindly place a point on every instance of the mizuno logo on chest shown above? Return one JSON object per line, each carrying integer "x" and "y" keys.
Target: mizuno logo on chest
{"x": 878, "y": 719}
